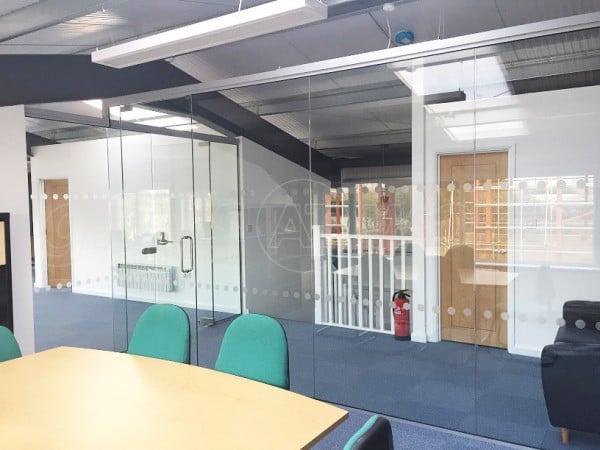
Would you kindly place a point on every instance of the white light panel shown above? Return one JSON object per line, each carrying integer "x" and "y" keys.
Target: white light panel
{"x": 256, "y": 21}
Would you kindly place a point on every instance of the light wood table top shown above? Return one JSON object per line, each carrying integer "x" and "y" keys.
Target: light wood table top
{"x": 79, "y": 399}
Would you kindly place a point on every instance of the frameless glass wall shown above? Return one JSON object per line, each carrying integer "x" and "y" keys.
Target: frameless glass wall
{"x": 537, "y": 107}
{"x": 277, "y": 202}
{"x": 175, "y": 234}
{"x": 70, "y": 206}
{"x": 465, "y": 178}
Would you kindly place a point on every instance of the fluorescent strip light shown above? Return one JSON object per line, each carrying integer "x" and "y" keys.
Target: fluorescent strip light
{"x": 256, "y": 21}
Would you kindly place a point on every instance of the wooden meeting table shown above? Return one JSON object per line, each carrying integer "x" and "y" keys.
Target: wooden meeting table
{"x": 78, "y": 399}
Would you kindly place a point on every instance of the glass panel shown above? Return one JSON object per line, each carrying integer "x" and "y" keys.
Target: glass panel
{"x": 275, "y": 209}
{"x": 536, "y": 165}
{"x": 70, "y": 226}
{"x": 217, "y": 230}
{"x": 158, "y": 261}
{"x": 466, "y": 178}
{"x": 226, "y": 261}
{"x": 380, "y": 232}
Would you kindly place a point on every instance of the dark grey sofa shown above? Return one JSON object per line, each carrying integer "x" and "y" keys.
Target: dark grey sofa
{"x": 571, "y": 370}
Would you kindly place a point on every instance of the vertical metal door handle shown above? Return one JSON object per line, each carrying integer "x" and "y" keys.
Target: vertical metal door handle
{"x": 184, "y": 238}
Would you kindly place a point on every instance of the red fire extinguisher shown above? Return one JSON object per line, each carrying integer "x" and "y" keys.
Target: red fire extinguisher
{"x": 401, "y": 310}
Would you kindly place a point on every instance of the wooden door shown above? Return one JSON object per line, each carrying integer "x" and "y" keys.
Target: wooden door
{"x": 58, "y": 232}
{"x": 473, "y": 247}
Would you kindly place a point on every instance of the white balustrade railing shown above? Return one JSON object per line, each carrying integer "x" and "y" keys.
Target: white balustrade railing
{"x": 356, "y": 276}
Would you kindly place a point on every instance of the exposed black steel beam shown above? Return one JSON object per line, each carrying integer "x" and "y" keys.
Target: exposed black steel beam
{"x": 30, "y": 79}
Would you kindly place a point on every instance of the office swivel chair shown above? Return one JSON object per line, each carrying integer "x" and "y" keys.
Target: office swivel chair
{"x": 255, "y": 347}
{"x": 163, "y": 332}
{"x": 376, "y": 433}
{"x": 9, "y": 347}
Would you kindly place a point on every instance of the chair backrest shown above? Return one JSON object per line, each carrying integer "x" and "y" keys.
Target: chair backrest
{"x": 9, "y": 347}
{"x": 163, "y": 332}
{"x": 376, "y": 433}
{"x": 255, "y": 347}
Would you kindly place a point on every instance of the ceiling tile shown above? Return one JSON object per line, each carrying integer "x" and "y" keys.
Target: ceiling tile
{"x": 518, "y": 12}
{"x": 339, "y": 37}
{"x": 432, "y": 19}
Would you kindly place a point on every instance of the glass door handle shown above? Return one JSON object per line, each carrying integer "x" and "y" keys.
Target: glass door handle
{"x": 181, "y": 264}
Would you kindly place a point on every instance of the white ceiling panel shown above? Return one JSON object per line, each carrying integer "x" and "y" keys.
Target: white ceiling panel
{"x": 8, "y": 6}
{"x": 328, "y": 126}
{"x": 294, "y": 125}
{"x": 272, "y": 92}
{"x": 517, "y": 12}
{"x": 96, "y": 23}
{"x": 338, "y": 37}
{"x": 241, "y": 58}
{"x": 551, "y": 55}
{"x": 47, "y": 13}
{"x": 395, "y": 113}
{"x": 430, "y": 19}
{"x": 298, "y": 89}
{"x": 87, "y": 32}
{"x": 9, "y": 49}
{"x": 364, "y": 76}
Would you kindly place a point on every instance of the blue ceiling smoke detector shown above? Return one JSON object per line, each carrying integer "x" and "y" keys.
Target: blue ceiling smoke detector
{"x": 404, "y": 37}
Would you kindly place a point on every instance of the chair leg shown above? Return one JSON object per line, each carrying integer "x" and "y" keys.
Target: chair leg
{"x": 565, "y": 435}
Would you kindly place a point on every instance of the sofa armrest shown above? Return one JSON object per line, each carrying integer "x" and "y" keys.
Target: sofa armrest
{"x": 585, "y": 310}
{"x": 570, "y": 375}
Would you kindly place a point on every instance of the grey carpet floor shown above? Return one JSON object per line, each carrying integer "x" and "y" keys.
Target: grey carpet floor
{"x": 486, "y": 393}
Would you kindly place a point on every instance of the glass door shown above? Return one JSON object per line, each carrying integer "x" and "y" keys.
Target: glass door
{"x": 217, "y": 230}
{"x": 154, "y": 247}
{"x": 175, "y": 221}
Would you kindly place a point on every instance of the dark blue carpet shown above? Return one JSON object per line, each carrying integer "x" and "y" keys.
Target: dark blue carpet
{"x": 485, "y": 392}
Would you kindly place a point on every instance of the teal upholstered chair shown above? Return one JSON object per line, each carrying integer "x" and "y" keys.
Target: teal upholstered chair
{"x": 163, "y": 332}
{"x": 9, "y": 347}
{"x": 376, "y": 433}
{"x": 255, "y": 347}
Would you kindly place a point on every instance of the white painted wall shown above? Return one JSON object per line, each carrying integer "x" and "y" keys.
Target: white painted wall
{"x": 14, "y": 200}
{"x": 553, "y": 133}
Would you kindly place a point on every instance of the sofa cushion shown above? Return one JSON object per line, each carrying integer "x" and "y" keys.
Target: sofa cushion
{"x": 588, "y": 311}
{"x": 574, "y": 335}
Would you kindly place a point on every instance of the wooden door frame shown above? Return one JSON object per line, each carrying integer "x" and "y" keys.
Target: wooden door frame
{"x": 510, "y": 257}
{"x": 41, "y": 254}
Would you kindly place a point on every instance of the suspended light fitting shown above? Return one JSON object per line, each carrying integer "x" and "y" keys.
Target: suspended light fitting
{"x": 256, "y": 21}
